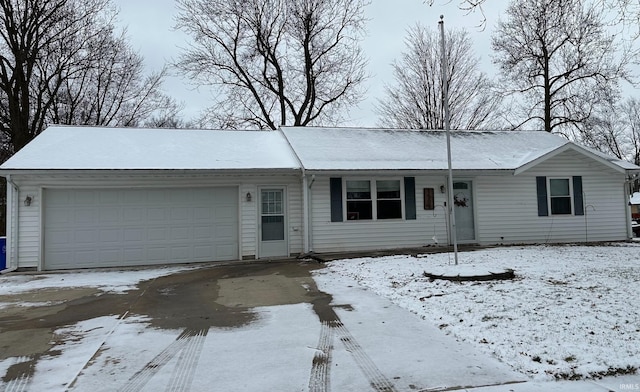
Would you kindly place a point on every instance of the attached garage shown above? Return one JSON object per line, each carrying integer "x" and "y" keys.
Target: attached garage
{"x": 89, "y": 197}
{"x": 85, "y": 228}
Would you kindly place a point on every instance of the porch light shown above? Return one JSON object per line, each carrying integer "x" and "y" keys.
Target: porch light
{"x": 442, "y": 189}
{"x": 28, "y": 200}
{"x": 248, "y": 196}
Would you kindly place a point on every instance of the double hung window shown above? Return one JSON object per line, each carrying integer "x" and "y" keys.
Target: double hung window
{"x": 560, "y": 196}
{"x": 373, "y": 199}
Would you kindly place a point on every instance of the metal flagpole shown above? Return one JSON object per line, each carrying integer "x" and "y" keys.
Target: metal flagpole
{"x": 447, "y": 126}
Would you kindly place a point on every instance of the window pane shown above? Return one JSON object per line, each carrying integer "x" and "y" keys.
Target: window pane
{"x": 358, "y": 210}
{"x": 460, "y": 185}
{"x": 559, "y": 187}
{"x": 389, "y": 209}
{"x": 358, "y": 190}
{"x": 272, "y": 228}
{"x": 560, "y": 205}
{"x": 272, "y": 202}
{"x": 388, "y": 189}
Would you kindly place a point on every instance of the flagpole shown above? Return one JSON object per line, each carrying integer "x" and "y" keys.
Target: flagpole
{"x": 447, "y": 126}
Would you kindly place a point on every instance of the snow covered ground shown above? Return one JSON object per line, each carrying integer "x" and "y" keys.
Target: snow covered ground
{"x": 572, "y": 311}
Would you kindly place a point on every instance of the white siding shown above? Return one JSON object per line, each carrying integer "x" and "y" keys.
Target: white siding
{"x": 378, "y": 234}
{"x": 507, "y": 209}
{"x": 29, "y": 224}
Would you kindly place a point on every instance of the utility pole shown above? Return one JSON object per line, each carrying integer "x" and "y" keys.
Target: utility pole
{"x": 447, "y": 127}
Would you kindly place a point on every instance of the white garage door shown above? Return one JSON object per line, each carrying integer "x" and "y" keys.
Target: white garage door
{"x": 119, "y": 227}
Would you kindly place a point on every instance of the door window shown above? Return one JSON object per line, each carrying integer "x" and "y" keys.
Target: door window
{"x": 272, "y": 219}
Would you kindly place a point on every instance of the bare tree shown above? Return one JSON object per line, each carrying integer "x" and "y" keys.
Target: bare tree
{"x": 107, "y": 86}
{"x": 624, "y": 13}
{"x": 277, "y": 62}
{"x": 558, "y": 57}
{"x": 616, "y": 131}
{"x": 61, "y": 62}
{"x": 414, "y": 100}
{"x": 39, "y": 40}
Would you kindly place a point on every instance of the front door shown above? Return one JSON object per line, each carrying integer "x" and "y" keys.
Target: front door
{"x": 273, "y": 219}
{"x": 463, "y": 203}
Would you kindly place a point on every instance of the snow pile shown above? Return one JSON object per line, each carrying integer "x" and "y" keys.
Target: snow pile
{"x": 571, "y": 312}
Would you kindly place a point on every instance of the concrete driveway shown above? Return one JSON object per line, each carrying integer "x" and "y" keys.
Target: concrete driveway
{"x": 241, "y": 327}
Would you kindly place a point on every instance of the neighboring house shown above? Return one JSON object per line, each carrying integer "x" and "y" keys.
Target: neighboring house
{"x": 92, "y": 197}
{"x": 634, "y": 203}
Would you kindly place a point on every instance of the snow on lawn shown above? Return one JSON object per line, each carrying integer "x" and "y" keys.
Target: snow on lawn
{"x": 571, "y": 312}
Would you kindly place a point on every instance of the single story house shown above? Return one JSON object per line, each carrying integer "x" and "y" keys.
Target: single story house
{"x": 83, "y": 197}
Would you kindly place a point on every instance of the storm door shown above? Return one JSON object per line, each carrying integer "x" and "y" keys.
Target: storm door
{"x": 463, "y": 204}
{"x": 273, "y": 219}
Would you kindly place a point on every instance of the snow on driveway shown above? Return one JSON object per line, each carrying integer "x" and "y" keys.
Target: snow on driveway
{"x": 572, "y": 311}
{"x": 339, "y": 337}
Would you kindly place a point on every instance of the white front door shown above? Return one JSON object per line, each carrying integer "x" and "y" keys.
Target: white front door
{"x": 463, "y": 203}
{"x": 273, "y": 223}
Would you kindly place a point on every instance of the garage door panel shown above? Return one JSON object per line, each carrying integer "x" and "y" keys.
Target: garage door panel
{"x": 93, "y": 228}
{"x": 84, "y": 216}
{"x": 133, "y": 234}
{"x": 180, "y": 233}
{"x": 111, "y": 235}
{"x": 157, "y": 234}
{"x": 203, "y": 232}
{"x": 225, "y": 251}
{"x": 86, "y": 237}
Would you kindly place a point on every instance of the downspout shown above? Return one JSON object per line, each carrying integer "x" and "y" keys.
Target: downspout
{"x": 309, "y": 215}
{"x": 12, "y": 235}
{"x": 306, "y": 220}
{"x": 305, "y": 213}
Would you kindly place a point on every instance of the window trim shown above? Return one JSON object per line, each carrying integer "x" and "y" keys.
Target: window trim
{"x": 374, "y": 198}
{"x": 569, "y": 179}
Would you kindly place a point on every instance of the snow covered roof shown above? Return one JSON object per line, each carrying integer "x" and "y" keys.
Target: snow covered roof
{"x": 380, "y": 149}
{"x": 635, "y": 198}
{"x": 71, "y": 147}
{"x": 314, "y": 148}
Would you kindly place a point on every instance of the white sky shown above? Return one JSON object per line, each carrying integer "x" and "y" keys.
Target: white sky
{"x": 151, "y": 32}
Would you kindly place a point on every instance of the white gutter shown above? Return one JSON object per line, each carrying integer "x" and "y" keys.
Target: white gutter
{"x": 12, "y": 236}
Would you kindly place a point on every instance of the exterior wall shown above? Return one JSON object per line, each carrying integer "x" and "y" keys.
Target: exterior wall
{"x": 29, "y": 223}
{"x": 507, "y": 206}
{"x": 378, "y": 234}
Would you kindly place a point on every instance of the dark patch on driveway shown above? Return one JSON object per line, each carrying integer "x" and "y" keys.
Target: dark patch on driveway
{"x": 216, "y": 296}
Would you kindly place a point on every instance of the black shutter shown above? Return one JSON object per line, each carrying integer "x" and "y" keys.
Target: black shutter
{"x": 335, "y": 186}
{"x": 541, "y": 188}
{"x": 410, "y": 197}
{"x": 578, "y": 201}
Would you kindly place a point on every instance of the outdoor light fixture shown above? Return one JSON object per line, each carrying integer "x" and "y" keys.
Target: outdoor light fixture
{"x": 248, "y": 196}
{"x": 441, "y": 188}
{"x": 28, "y": 200}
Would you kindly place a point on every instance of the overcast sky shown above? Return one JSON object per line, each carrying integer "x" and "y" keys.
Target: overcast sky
{"x": 150, "y": 29}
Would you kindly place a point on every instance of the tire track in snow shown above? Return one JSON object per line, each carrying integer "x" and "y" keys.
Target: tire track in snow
{"x": 142, "y": 377}
{"x": 332, "y": 325}
{"x": 24, "y": 367}
{"x": 319, "y": 380}
{"x": 184, "y": 372}
{"x": 377, "y": 380}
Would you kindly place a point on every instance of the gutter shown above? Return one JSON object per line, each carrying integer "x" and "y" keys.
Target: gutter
{"x": 11, "y": 244}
